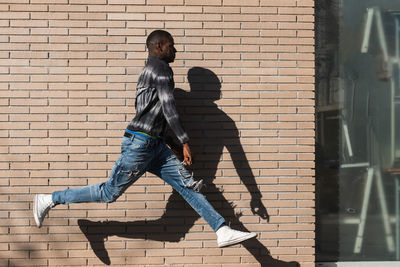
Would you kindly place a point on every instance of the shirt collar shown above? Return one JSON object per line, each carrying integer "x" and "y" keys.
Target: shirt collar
{"x": 155, "y": 59}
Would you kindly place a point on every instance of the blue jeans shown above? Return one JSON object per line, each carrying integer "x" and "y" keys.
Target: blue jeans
{"x": 138, "y": 155}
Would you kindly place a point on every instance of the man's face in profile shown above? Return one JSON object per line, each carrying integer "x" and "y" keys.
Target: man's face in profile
{"x": 168, "y": 50}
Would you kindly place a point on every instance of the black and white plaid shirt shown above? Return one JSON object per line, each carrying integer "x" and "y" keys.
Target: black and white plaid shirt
{"x": 155, "y": 103}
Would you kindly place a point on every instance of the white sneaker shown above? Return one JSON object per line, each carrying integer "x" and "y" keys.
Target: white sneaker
{"x": 42, "y": 203}
{"x": 227, "y": 236}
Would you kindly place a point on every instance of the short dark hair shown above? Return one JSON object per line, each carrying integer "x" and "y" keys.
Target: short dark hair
{"x": 157, "y": 36}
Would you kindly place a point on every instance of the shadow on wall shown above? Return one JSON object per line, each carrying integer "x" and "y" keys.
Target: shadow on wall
{"x": 210, "y": 130}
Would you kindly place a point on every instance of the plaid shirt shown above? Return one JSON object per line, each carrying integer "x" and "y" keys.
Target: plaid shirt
{"x": 155, "y": 102}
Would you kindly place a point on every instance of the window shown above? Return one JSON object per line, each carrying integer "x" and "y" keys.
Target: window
{"x": 358, "y": 130}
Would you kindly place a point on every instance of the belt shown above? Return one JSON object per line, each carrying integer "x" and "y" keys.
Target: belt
{"x": 129, "y": 134}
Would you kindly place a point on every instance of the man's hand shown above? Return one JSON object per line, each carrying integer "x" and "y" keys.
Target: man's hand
{"x": 187, "y": 155}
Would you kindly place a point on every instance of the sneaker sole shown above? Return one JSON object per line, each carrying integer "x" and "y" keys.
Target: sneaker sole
{"x": 237, "y": 240}
{"x": 35, "y": 215}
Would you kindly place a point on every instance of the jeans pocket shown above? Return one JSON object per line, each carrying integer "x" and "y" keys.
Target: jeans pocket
{"x": 137, "y": 144}
{"x": 186, "y": 177}
{"x": 123, "y": 176}
{"x": 188, "y": 181}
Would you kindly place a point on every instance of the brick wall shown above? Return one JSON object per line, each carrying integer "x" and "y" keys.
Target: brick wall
{"x": 244, "y": 73}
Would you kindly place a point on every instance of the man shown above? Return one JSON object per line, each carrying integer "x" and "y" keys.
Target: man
{"x": 144, "y": 149}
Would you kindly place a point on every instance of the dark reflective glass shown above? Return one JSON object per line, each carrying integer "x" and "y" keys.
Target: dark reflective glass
{"x": 358, "y": 130}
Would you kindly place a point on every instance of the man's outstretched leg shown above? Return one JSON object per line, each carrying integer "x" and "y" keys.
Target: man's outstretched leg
{"x": 102, "y": 192}
{"x": 170, "y": 169}
{"x": 135, "y": 157}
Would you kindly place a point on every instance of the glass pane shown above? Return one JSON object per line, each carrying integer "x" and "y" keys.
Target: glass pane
{"x": 358, "y": 130}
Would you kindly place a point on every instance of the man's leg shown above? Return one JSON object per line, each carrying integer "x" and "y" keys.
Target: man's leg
{"x": 120, "y": 179}
{"x": 170, "y": 169}
{"x": 135, "y": 157}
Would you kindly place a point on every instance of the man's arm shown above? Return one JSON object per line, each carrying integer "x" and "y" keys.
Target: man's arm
{"x": 164, "y": 87}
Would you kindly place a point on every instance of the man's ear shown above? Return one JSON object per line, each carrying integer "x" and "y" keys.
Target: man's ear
{"x": 159, "y": 46}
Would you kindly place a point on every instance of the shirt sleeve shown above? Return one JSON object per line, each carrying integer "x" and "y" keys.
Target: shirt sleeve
{"x": 164, "y": 87}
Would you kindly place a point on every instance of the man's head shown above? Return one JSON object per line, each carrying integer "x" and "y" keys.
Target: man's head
{"x": 161, "y": 44}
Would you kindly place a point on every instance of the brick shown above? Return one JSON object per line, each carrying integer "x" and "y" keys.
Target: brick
{"x": 279, "y": 17}
{"x": 46, "y": 62}
{"x": 69, "y": 262}
{"x": 48, "y": 174}
{"x": 145, "y": 260}
{"x": 223, "y": 259}
{"x": 14, "y": 126}
{"x": 67, "y": 165}
{"x": 125, "y": 16}
{"x": 240, "y": 3}
{"x": 49, "y": 157}
{"x": 28, "y": 39}
{"x": 87, "y": 31}
{"x": 278, "y": 3}
{"x": 29, "y": 133}
{"x": 145, "y": 24}
{"x": 17, "y": 7}
{"x": 222, "y": 10}
{"x": 296, "y": 10}
{"x": 305, "y": 18}
{"x": 29, "y": 166}
{"x": 14, "y": 62}
{"x": 9, "y": 46}
{"x": 49, "y": 31}
{"x": 258, "y": 25}
{"x": 165, "y": 17}
{"x": 297, "y": 26}
{"x": 208, "y": 3}
{"x": 219, "y": 25}
{"x": 14, "y": 15}
{"x": 187, "y": 259}
{"x": 203, "y": 32}
{"x": 14, "y": 254}
{"x": 24, "y": 54}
